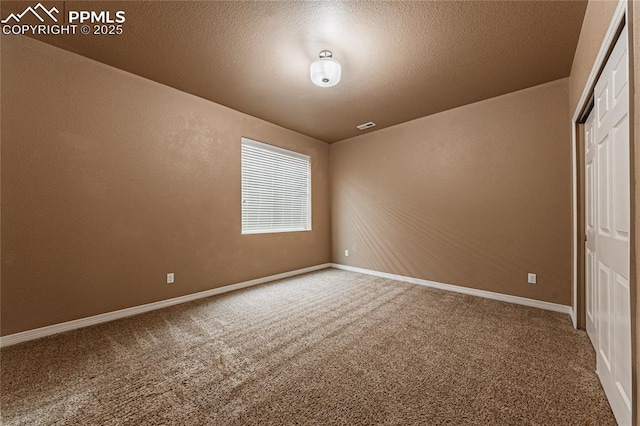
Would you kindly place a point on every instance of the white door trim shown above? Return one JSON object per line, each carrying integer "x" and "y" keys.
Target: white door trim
{"x": 607, "y": 44}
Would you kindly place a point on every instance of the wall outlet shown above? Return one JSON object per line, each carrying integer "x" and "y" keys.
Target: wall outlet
{"x": 532, "y": 278}
{"x": 170, "y": 278}
{"x": 346, "y": 253}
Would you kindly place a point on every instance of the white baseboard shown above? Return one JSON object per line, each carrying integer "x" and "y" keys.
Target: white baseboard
{"x": 49, "y": 330}
{"x": 464, "y": 290}
{"x": 37, "y": 333}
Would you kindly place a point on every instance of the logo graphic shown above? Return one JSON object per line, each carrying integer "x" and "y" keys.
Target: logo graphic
{"x": 94, "y": 22}
{"x": 33, "y": 11}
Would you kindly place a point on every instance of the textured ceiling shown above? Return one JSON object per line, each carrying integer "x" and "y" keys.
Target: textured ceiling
{"x": 401, "y": 60}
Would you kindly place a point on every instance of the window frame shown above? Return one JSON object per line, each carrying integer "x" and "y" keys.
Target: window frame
{"x": 281, "y": 151}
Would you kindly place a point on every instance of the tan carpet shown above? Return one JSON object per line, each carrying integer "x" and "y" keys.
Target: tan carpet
{"x": 331, "y": 347}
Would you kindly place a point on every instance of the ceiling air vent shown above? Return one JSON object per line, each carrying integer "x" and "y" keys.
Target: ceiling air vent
{"x": 365, "y": 126}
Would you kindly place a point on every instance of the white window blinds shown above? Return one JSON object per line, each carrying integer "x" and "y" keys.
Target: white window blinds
{"x": 276, "y": 189}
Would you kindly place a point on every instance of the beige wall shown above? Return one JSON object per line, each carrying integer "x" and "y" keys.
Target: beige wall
{"x": 476, "y": 196}
{"x": 594, "y": 26}
{"x": 110, "y": 181}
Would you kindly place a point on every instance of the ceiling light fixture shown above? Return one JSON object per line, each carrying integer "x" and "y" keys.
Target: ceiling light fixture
{"x": 325, "y": 71}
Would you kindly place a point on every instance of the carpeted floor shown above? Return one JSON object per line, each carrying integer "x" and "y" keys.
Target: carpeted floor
{"x": 330, "y": 347}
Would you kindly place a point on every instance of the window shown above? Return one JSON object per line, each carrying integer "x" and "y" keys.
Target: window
{"x": 276, "y": 189}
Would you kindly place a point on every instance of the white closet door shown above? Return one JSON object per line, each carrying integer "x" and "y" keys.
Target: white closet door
{"x": 612, "y": 245}
{"x": 591, "y": 289}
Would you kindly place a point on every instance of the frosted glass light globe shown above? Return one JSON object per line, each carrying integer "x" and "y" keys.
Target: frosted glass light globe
{"x": 325, "y": 71}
